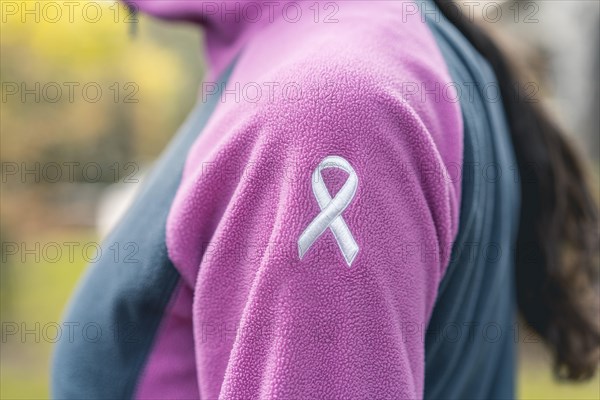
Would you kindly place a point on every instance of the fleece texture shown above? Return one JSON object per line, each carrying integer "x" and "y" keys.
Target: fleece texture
{"x": 251, "y": 318}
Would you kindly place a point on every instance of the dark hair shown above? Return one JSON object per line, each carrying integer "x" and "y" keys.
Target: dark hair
{"x": 556, "y": 265}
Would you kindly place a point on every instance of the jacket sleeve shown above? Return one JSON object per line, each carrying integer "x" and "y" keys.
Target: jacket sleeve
{"x": 314, "y": 234}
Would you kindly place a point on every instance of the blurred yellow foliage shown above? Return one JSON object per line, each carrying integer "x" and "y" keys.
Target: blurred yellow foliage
{"x": 51, "y": 52}
{"x": 75, "y": 87}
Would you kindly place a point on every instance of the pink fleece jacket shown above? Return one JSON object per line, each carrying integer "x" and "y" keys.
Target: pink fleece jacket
{"x": 298, "y": 284}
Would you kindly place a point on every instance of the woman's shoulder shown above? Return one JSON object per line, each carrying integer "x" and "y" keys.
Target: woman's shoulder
{"x": 371, "y": 65}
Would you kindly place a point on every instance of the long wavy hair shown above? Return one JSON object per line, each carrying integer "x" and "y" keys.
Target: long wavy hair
{"x": 557, "y": 263}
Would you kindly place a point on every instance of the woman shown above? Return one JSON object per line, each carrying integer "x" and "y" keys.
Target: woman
{"x": 343, "y": 217}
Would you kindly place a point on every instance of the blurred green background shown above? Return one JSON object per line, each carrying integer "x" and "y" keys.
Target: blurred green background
{"x": 149, "y": 82}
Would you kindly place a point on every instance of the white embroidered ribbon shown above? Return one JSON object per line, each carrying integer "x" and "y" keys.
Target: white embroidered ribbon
{"x": 331, "y": 210}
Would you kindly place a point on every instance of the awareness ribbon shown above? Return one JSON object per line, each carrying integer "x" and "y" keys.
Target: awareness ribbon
{"x": 331, "y": 210}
